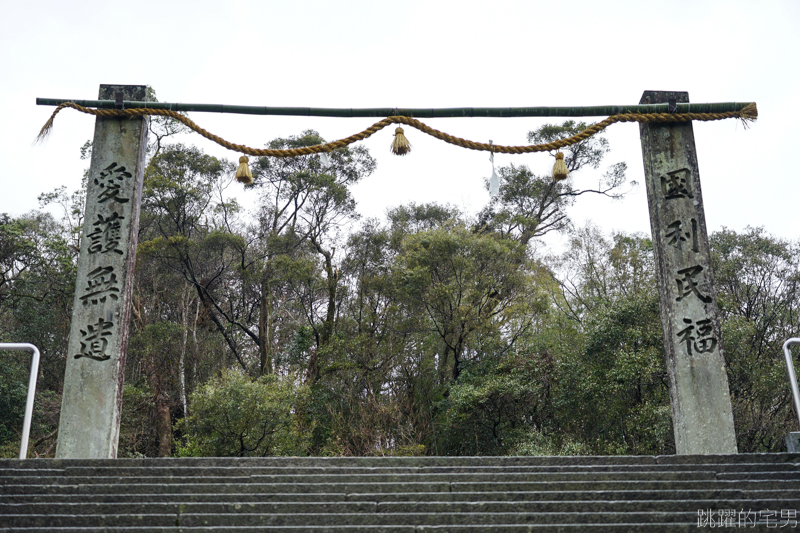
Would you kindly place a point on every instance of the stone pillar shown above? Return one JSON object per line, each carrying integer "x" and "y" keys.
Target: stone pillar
{"x": 98, "y": 340}
{"x": 698, "y": 382}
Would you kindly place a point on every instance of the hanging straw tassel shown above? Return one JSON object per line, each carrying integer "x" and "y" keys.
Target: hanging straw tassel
{"x": 400, "y": 145}
{"x": 560, "y": 171}
{"x": 243, "y": 173}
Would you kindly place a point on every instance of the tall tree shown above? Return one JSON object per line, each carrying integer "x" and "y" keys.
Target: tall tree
{"x": 465, "y": 283}
{"x": 758, "y": 290}
{"x": 304, "y": 203}
{"x": 531, "y": 205}
{"x": 37, "y": 281}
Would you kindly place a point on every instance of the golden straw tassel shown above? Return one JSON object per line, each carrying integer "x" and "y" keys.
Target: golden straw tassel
{"x": 400, "y": 145}
{"x": 560, "y": 171}
{"x": 243, "y": 173}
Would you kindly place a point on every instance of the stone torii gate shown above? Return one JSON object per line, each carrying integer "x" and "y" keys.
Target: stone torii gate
{"x": 91, "y": 406}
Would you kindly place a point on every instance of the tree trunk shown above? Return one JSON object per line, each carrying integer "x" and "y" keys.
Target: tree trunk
{"x": 163, "y": 425}
{"x": 443, "y": 363}
{"x": 194, "y": 338}
{"x": 330, "y": 315}
{"x": 265, "y": 321}
{"x": 229, "y": 339}
{"x": 182, "y": 359}
{"x": 263, "y": 328}
{"x": 312, "y": 370}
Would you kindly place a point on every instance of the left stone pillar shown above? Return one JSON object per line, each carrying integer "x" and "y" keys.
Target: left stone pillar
{"x": 98, "y": 339}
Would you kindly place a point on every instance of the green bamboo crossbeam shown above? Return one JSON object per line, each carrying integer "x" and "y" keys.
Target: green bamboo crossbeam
{"x": 669, "y": 112}
{"x": 500, "y": 112}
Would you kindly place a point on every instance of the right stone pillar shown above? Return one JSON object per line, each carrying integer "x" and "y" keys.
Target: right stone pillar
{"x": 702, "y": 417}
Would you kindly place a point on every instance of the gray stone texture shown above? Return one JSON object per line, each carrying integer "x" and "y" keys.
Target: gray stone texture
{"x": 702, "y": 417}
{"x": 64, "y": 495}
{"x": 90, "y": 407}
{"x": 793, "y": 442}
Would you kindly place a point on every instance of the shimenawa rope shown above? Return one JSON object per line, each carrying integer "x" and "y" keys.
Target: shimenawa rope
{"x": 748, "y": 114}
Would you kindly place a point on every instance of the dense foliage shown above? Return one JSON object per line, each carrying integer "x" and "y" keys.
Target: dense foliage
{"x": 298, "y": 329}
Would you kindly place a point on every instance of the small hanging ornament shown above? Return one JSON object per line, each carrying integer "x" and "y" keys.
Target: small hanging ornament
{"x": 243, "y": 173}
{"x": 400, "y": 145}
{"x": 560, "y": 171}
{"x": 494, "y": 182}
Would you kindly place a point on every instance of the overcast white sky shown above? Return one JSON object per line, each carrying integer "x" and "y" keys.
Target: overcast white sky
{"x": 411, "y": 53}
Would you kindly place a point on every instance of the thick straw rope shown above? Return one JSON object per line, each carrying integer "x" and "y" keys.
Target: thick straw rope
{"x": 747, "y": 114}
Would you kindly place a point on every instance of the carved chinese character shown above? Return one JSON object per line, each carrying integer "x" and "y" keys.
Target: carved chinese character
{"x": 101, "y": 284}
{"x": 106, "y": 235}
{"x": 676, "y": 184}
{"x": 704, "y": 342}
{"x": 677, "y": 233}
{"x": 687, "y": 284}
{"x": 94, "y": 341}
{"x": 110, "y": 181}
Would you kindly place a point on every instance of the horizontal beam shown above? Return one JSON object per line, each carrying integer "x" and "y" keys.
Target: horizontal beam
{"x": 591, "y": 111}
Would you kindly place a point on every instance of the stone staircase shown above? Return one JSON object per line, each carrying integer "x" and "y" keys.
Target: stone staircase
{"x": 402, "y": 494}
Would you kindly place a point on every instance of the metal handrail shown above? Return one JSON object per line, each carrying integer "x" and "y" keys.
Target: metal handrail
{"x": 792, "y": 376}
{"x": 26, "y": 423}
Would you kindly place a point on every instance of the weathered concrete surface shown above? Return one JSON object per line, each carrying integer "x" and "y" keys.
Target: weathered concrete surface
{"x": 701, "y": 407}
{"x": 793, "y": 442}
{"x": 705, "y": 493}
{"x": 98, "y": 340}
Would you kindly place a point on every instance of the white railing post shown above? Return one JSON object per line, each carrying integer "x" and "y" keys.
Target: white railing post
{"x": 792, "y": 376}
{"x": 26, "y": 423}
{"x": 793, "y": 438}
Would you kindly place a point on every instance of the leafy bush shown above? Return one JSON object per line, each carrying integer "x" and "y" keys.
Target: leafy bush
{"x": 234, "y": 415}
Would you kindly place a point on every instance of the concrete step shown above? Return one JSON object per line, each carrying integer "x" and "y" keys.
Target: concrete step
{"x": 343, "y": 519}
{"x": 507, "y": 477}
{"x": 410, "y": 462}
{"x": 459, "y": 495}
{"x": 353, "y": 488}
{"x": 498, "y": 528}
{"x": 543, "y": 496}
{"x": 181, "y": 470}
{"x": 548, "y": 506}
